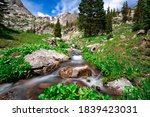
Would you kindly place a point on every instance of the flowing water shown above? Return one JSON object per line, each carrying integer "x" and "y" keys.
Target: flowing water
{"x": 30, "y": 89}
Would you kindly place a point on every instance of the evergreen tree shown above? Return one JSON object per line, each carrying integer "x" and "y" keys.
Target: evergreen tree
{"x": 92, "y": 17}
{"x": 125, "y": 9}
{"x": 142, "y": 15}
{"x": 114, "y": 14}
{"x": 109, "y": 21}
{"x": 57, "y": 29}
{"x": 146, "y": 15}
{"x": 3, "y": 9}
{"x": 67, "y": 24}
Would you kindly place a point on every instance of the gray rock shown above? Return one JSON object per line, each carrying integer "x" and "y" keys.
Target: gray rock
{"x": 94, "y": 47}
{"x": 141, "y": 32}
{"x": 44, "y": 61}
{"x": 117, "y": 86}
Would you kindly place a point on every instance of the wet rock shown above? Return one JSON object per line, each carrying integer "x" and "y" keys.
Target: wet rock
{"x": 75, "y": 72}
{"x": 70, "y": 50}
{"x": 88, "y": 80}
{"x": 117, "y": 86}
{"x": 44, "y": 85}
{"x": 81, "y": 84}
{"x": 43, "y": 61}
{"x": 9, "y": 95}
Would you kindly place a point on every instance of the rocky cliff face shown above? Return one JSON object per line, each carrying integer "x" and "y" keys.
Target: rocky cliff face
{"x": 20, "y": 18}
{"x": 70, "y": 17}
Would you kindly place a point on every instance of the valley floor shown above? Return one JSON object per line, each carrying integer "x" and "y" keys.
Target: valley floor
{"x": 125, "y": 55}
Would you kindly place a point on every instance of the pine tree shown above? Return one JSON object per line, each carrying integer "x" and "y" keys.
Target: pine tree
{"x": 3, "y": 9}
{"x": 141, "y": 16}
{"x": 146, "y": 15}
{"x": 109, "y": 21}
{"x": 57, "y": 29}
{"x": 114, "y": 14}
{"x": 125, "y": 9}
{"x": 67, "y": 24}
{"x": 92, "y": 17}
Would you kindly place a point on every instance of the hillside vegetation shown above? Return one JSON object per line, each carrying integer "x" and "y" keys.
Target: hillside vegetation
{"x": 14, "y": 46}
{"x": 123, "y": 56}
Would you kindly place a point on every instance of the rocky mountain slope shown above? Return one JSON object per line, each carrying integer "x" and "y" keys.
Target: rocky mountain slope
{"x": 19, "y": 17}
{"x": 65, "y": 17}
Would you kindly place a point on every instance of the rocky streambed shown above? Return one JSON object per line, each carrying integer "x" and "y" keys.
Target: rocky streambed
{"x": 58, "y": 68}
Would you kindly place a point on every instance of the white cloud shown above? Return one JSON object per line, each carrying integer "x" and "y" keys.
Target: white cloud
{"x": 113, "y": 4}
{"x": 53, "y": 11}
{"x": 40, "y": 14}
{"x": 67, "y": 6}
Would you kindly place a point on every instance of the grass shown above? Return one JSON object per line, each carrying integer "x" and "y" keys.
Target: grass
{"x": 71, "y": 92}
{"x": 10, "y": 38}
{"x": 118, "y": 57}
{"x": 123, "y": 56}
{"x": 13, "y": 67}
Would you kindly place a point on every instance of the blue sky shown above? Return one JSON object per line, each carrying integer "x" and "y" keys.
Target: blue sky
{"x": 55, "y": 7}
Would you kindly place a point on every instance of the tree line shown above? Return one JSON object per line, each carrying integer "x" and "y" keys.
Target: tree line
{"x": 94, "y": 20}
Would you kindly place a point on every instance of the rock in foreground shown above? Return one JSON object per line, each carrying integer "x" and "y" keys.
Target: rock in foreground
{"x": 75, "y": 72}
{"x": 43, "y": 61}
{"x": 117, "y": 86}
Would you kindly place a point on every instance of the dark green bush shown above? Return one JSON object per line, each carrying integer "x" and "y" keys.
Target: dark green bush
{"x": 71, "y": 92}
{"x": 13, "y": 69}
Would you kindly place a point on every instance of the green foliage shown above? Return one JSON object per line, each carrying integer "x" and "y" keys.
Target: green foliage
{"x": 6, "y": 33}
{"x": 15, "y": 68}
{"x": 109, "y": 21}
{"x": 10, "y": 38}
{"x": 109, "y": 66}
{"x": 146, "y": 15}
{"x": 125, "y": 10}
{"x": 57, "y": 29}
{"x": 71, "y": 92}
{"x": 62, "y": 44}
{"x": 92, "y": 17}
{"x": 138, "y": 92}
{"x": 142, "y": 15}
{"x": 138, "y": 27}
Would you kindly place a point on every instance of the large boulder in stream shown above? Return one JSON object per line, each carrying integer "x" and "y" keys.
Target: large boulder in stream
{"x": 43, "y": 61}
{"x": 116, "y": 87}
{"x": 75, "y": 72}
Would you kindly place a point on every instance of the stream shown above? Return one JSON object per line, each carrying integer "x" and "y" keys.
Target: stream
{"x": 29, "y": 89}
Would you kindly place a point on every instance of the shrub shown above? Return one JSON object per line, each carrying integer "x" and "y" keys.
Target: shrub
{"x": 13, "y": 69}
{"x": 71, "y": 92}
